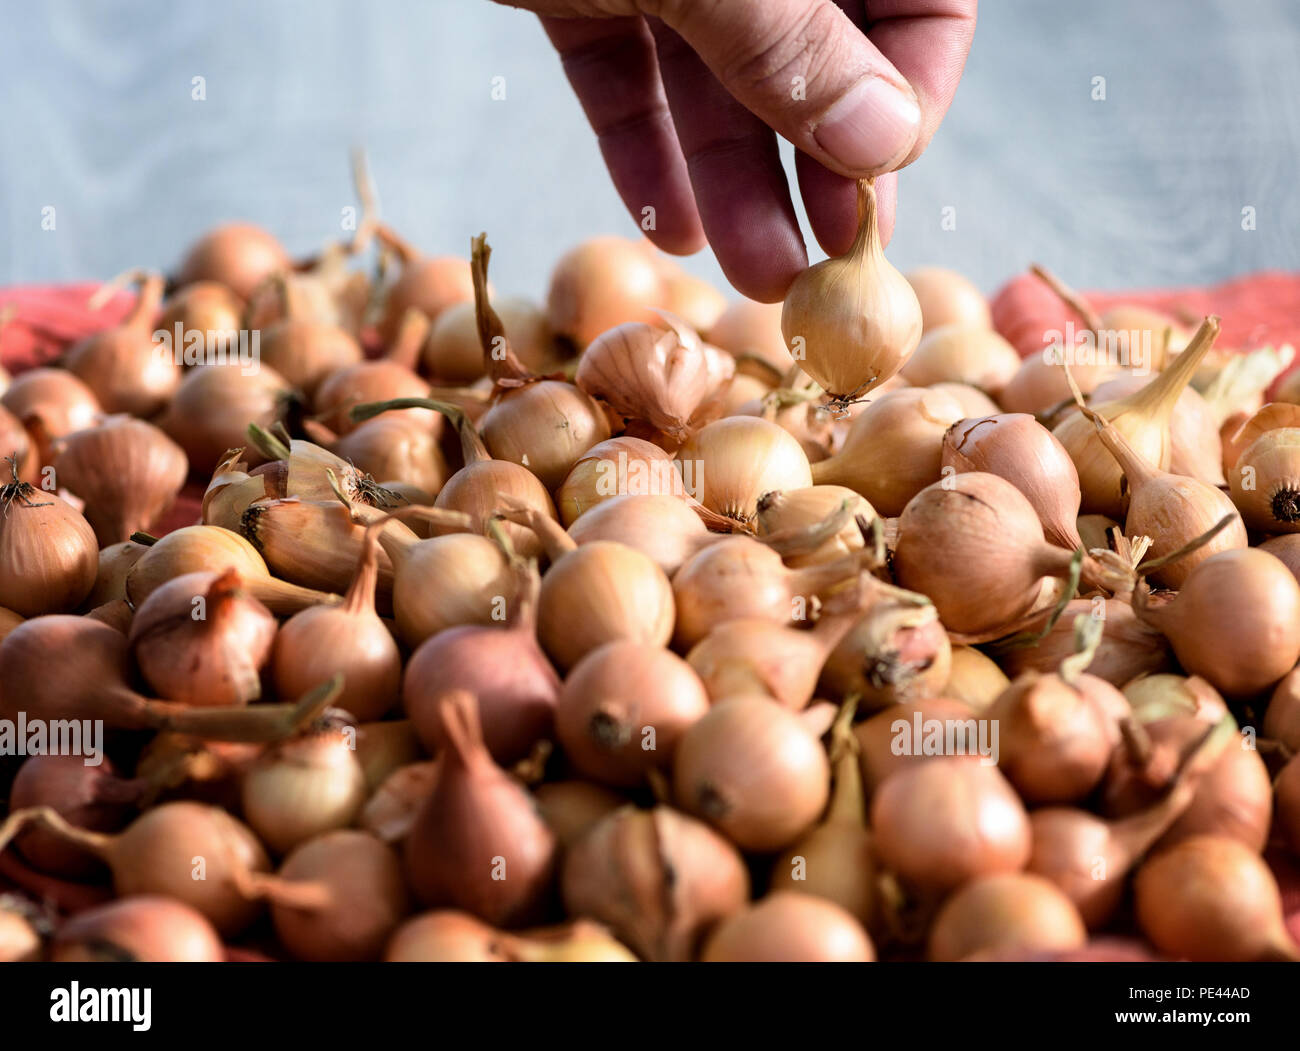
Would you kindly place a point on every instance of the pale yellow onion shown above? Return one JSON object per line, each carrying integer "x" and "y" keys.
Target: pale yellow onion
{"x": 750, "y": 330}
{"x": 893, "y": 449}
{"x": 1172, "y": 510}
{"x": 972, "y": 354}
{"x": 115, "y": 563}
{"x": 621, "y": 466}
{"x": 446, "y": 581}
{"x": 453, "y": 355}
{"x": 947, "y": 298}
{"x": 974, "y": 678}
{"x": 973, "y": 401}
{"x": 807, "y": 421}
{"x": 1143, "y": 418}
{"x": 660, "y": 376}
{"x": 1039, "y": 384}
{"x": 204, "y": 548}
{"x": 784, "y": 512}
{"x": 397, "y": 445}
{"x": 1193, "y": 430}
{"x": 1265, "y": 482}
{"x": 852, "y": 321}
{"x": 740, "y": 577}
{"x": 601, "y": 283}
{"x": 664, "y": 528}
{"x": 545, "y": 427}
{"x": 732, "y": 462}
{"x": 595, "y": 593}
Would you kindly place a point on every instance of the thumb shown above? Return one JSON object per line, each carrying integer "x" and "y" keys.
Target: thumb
{"x": 809, "y": 73}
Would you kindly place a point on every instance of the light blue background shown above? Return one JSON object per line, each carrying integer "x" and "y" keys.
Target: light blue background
{"x": 1202, "y": 118}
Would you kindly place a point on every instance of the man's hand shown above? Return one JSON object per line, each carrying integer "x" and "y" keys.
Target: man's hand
{"x": 684, "y": 96}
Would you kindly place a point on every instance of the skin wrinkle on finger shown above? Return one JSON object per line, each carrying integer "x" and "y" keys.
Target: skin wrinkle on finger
{"x": 812, "y": 39}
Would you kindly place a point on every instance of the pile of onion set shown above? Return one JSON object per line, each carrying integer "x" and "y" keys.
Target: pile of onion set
{"x": 622, "y": 623}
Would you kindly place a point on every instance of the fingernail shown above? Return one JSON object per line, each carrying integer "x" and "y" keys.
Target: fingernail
{"x": 870, "y": 128}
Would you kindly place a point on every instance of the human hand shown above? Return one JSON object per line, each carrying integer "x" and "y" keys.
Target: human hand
{"x": 685, "y": 97}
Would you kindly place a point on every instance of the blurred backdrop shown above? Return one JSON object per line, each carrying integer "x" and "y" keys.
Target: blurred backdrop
{"x": 1146, "y": 187}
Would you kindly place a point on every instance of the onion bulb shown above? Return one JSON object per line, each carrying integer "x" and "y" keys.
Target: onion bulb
{"x": 893, "y": 449}
{"x": 731, "y": 463}
{"x": 853, "y": 320}
{"x": 751, "y": 769}
{"x": 48, "y": 554}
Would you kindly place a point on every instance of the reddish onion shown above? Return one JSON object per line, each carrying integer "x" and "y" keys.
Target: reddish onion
{"x": 478, "y": 843}
{"x": 503, "y": 667}
{"x": 143, "y": 928}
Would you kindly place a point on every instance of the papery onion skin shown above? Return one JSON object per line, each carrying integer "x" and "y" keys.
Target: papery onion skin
{"x": 974, "y": 545}
{"x": 142, "y": 928}
{"x": 751, "y": 769}
{"x": 731, "y": 463}
{"x": 1235, "y": 621}
{"x": 214, "y": 405}
{"x": 854, "y": 317}
{"x": 599, "y": 593}
{"x": 617, "y": 467}
{"x": 58, "y": 399}
{"x": 962, "y": 353}
{"x": 947, "y": 297}
{"x": 238, "y": 255}
{"x": 940, "y": 823}
{"x": 659, "y": 879}
{"x": 368, "y": 898}
{"x": 662, "y": 527}
{"x": 199, "y": 639}
{"x": 1009, "y": 910}
{"x": 789, "y": 927}
{"x": 516, "y": 686}
{"x": 447, "y": 582}
{"x": 1017, "y": 448}
{"x": 302, "y": 788}
{"x": 48, "y": 553}
{"x": 1211, "y": 899}
{"x": 128, "y": 472}
{"x": 601, "y": 283}
{"x": 546, "y": 427}
{"x": 893, "y": 448}
{"x": 478, "y": 842}
{"x": 623, "y": 709}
